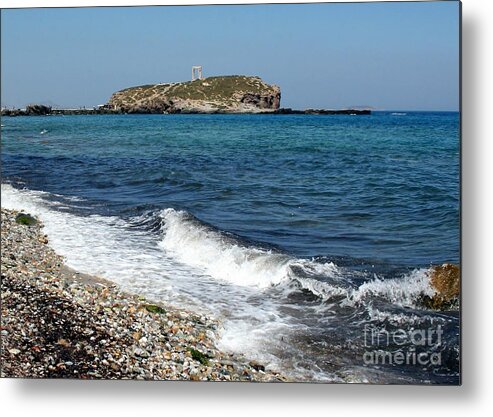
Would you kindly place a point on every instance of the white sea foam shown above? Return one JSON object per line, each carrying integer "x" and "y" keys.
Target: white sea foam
{"x": 400, "y": 319}
{"x": 403, "y": 291}
{"x": 95, "y": 244}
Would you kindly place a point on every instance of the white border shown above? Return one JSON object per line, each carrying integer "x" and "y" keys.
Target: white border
{"x": 88, "y": 3}
{"x": 139, "y": 399}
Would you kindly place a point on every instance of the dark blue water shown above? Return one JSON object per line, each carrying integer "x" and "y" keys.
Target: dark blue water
{"x": 375, "y": 198}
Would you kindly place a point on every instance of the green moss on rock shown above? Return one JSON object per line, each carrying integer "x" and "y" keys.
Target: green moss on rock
{"x": 152, "y": 308}
{"x": 25, "y": 219}
{"x": 199, "y": 356}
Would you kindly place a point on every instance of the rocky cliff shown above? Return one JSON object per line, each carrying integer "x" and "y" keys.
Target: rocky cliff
{"x": 225, "y": 94}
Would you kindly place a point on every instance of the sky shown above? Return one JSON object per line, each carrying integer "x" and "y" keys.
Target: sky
{"x": 387, "y": 56}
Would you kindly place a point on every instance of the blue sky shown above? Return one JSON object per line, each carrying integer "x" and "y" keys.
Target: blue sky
{"x": 400, "y": 56}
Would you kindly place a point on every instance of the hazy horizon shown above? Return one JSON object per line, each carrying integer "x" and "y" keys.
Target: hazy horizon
{"x": 387, "y": 56}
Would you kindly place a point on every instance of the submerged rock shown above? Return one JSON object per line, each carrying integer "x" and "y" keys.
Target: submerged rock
{"x": 445, "y": 280}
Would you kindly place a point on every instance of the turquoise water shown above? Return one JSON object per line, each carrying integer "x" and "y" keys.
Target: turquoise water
{"x": 295, "y": 230}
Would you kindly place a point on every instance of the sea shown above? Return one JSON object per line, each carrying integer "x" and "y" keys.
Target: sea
{"x": 308, "y": 237}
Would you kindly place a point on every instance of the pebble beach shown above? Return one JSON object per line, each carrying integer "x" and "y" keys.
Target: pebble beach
{"x": 58, "y": 323}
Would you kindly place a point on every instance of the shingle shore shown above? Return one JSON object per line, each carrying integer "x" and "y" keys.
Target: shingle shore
{"x": 57, "y": 323}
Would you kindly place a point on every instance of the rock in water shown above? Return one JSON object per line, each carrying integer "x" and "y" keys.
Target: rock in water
{"x": 445, "y": 280}
{"x": 37, "y": 110}
{"x": 225, "y": 94}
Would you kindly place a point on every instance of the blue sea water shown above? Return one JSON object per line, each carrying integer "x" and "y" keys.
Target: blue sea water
{"x": 296, "y": 231}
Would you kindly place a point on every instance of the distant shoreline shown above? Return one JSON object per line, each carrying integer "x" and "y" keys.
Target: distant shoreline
{"x": 40, "y": 110}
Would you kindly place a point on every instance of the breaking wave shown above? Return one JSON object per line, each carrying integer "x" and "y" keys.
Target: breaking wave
{"x": 218, "y": 255}
{"x": 225, "y": 257}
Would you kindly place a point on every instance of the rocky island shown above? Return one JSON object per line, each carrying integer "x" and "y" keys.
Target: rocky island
{"x": 224, "y": 94}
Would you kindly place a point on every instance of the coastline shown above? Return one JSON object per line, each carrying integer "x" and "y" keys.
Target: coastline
{"x": 58, "y": 323}
{"x": 47, "y": 111}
